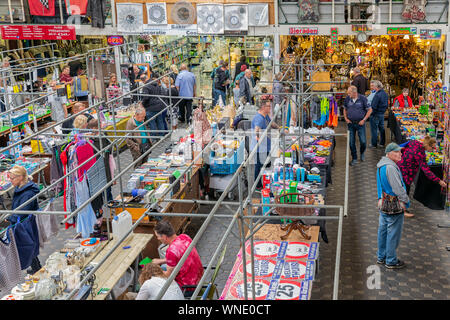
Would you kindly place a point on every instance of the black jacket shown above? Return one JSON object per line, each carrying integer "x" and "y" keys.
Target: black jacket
{"x": 154, "y": 104}
{"x": 220, "y": 78}
{"x": 361, "y": 83}
{"x": 237, "y": 70}
{"x": 67, "y": 126}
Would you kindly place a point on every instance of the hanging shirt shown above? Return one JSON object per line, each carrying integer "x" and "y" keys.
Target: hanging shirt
{"x": 86, "y": 218}
{"x": 42, "y": 7}
{"x": 76, "y": 7}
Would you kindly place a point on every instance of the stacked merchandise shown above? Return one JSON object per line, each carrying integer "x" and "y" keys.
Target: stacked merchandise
{"x": 414, "y": 125}
{"x": 283, "y": 270}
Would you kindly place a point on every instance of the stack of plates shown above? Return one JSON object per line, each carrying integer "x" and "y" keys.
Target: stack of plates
{"x": 24, "y": 294}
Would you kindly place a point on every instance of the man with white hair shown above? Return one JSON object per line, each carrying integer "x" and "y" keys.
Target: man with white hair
{"x": 356, "y": 113}
{"x": 379, "y": 105}
{"x": 186, "y": 86}
{"x": 246, "y": 87}
{"x": 138, "y": 146}
{"x": 359, "y": 81}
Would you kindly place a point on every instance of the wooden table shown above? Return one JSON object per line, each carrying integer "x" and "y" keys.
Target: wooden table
{"x": 118, "y": 262}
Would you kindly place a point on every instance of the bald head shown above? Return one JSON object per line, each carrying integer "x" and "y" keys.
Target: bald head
{"x": 356, "y": 70}
{"x": 183, "y": 66}
{"x": 352, "y": 91}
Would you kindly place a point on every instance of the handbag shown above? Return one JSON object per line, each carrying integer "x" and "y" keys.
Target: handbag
{"x": 390, "y": 204}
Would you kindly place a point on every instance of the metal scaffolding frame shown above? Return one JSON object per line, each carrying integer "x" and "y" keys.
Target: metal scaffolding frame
{"x": 238, "y": 214}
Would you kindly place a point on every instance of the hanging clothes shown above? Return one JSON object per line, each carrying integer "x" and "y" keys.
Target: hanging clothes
{"x": 86, "y": 217}
{"x": 97, "y": 178}
{"x": 84, "y": 151}
{"x": 42, "y": 7}
{"x": 10, "y": 271}
{"x": 26, "y": 235}
{"x": 333, "y": 117}
{"x": 47, "y": 225}
{"x": 76, "y": 7}
{"x": 97, "y": 11}
{"x": 324, "y": 111}
{"x": 314, "y": 106}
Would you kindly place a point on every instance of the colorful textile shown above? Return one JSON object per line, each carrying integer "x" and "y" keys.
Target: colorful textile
{"x": 42, "y": 7}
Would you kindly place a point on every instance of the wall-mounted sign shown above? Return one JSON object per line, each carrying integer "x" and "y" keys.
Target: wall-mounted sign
{"x": 35, "y": 32}
{"x": 334, "y": 37}
{"x": 115, "y": 40}
{"x": 430, "y": 34}
{"x": 304, "y": 31}
{"x": 402, "y": 31}
{"x": 172, "y": 29}
{"x": 361, "y": 28}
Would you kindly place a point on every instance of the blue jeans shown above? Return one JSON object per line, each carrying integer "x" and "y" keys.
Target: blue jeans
{"x": 389, "y": 234}
{"x": 377, "y": 124}
{"x": 156, "y": 124}
{"x": 219, "y": 93}
{"x": 361, "y": 130}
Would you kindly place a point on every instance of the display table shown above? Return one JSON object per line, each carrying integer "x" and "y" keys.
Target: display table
{"x": 187, "y": 191}
{"x": 428, "y": 192}
{"x": 394, "y": 126}
{"x": 272, "y": 232}
{"x": 118, "y": 262}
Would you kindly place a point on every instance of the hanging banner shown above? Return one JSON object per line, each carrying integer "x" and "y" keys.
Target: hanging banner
{"x": 361, "y": 28}
{"x": 171, "y": 30}
{"x": 34, "y": 32}
{"x": 430, "y": 34}
{"x": 334, "y": 37}
{"x": 402, "y": 31}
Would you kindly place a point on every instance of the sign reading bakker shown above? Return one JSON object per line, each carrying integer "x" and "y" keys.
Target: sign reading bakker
{"x": 304, "y": 31}
{"x": 34, "y": 32}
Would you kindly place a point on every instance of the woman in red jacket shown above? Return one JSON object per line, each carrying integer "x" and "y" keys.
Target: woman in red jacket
{"x": 403, "y": 100}
{"x": 414, "y": 159}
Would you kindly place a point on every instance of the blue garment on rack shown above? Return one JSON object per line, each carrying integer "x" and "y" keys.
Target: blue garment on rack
{"x": 86, "y": 217}
{"x": 26, "y": 235}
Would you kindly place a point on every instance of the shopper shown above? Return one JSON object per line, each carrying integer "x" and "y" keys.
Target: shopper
{"x": 213, "y": 75}
{"x": 106, "y": 154}
{"x": 372, "y": 92}
{"x": 415, "y": 159}
{"x": 67, "y": 126}
{"x": 238, "y": 67}
{"x": 379, "y": 105}
{"x": 390, "y": 183}
{"x": 192, "y": 269}
{"x": 175, "y": 73}
{"x": 356, "y": 113}
{"x": 246, "y": 88}
{"x": 403, "y": 101}
{"x": 80, "y": 122}
{"x": 259, "y": 124}
{"x": 65, "y": 77}
{"x": 59, "y": 109}
{"x": 359, "y": 81}
{"x": 278, "y": 89}
{"x": 138, "y": 146}
{"x": 236, "y": 93}
{"x": 186, "y": 86}
{"x": 24, "y": 190}
{"x": 154, "y": 104}
{"x": 76, "y": 68}
{"x": 241, "y": 74}
{"x": 221, "y": 82}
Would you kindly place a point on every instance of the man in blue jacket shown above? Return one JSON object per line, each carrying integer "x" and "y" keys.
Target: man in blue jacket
{"x": 390, "y": 181}
{"x": 379, "y": 105}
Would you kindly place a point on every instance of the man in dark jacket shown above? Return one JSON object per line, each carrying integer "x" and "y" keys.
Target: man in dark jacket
{"x": 379, "y": 105}
{"x": 221, "y": 82}
{"x": 360, "y": 82}
{"x": 246, "y": 88}
{"x": 154, "y": 105}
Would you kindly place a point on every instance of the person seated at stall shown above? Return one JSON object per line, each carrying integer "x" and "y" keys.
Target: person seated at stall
{"x": 151, "y": 281}
{"x": 138, "y": 146}
{"x": 192, "y": 270}
{"x": 80, "y": 122}
{"x": 113, "y": 83}
{"x": 403, "y": 101}
{"x": 24, "y": 190}
{"x": 415, "y": 159}
{"x": 259, "y": 124}
{"x": 67, "y": 126}
{"x": 76, "y": 68}
{"x": 65, "y": 77}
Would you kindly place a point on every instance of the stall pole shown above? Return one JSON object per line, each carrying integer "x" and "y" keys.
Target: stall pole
{"x": 338, "y": 256}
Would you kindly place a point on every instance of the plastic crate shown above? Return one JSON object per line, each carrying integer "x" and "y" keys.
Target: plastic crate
{"x": 19, "y": 119}
{"x": 230, "y": 164}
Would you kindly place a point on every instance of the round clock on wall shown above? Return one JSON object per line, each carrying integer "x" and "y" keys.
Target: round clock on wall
{"x": 361, "y": 37}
